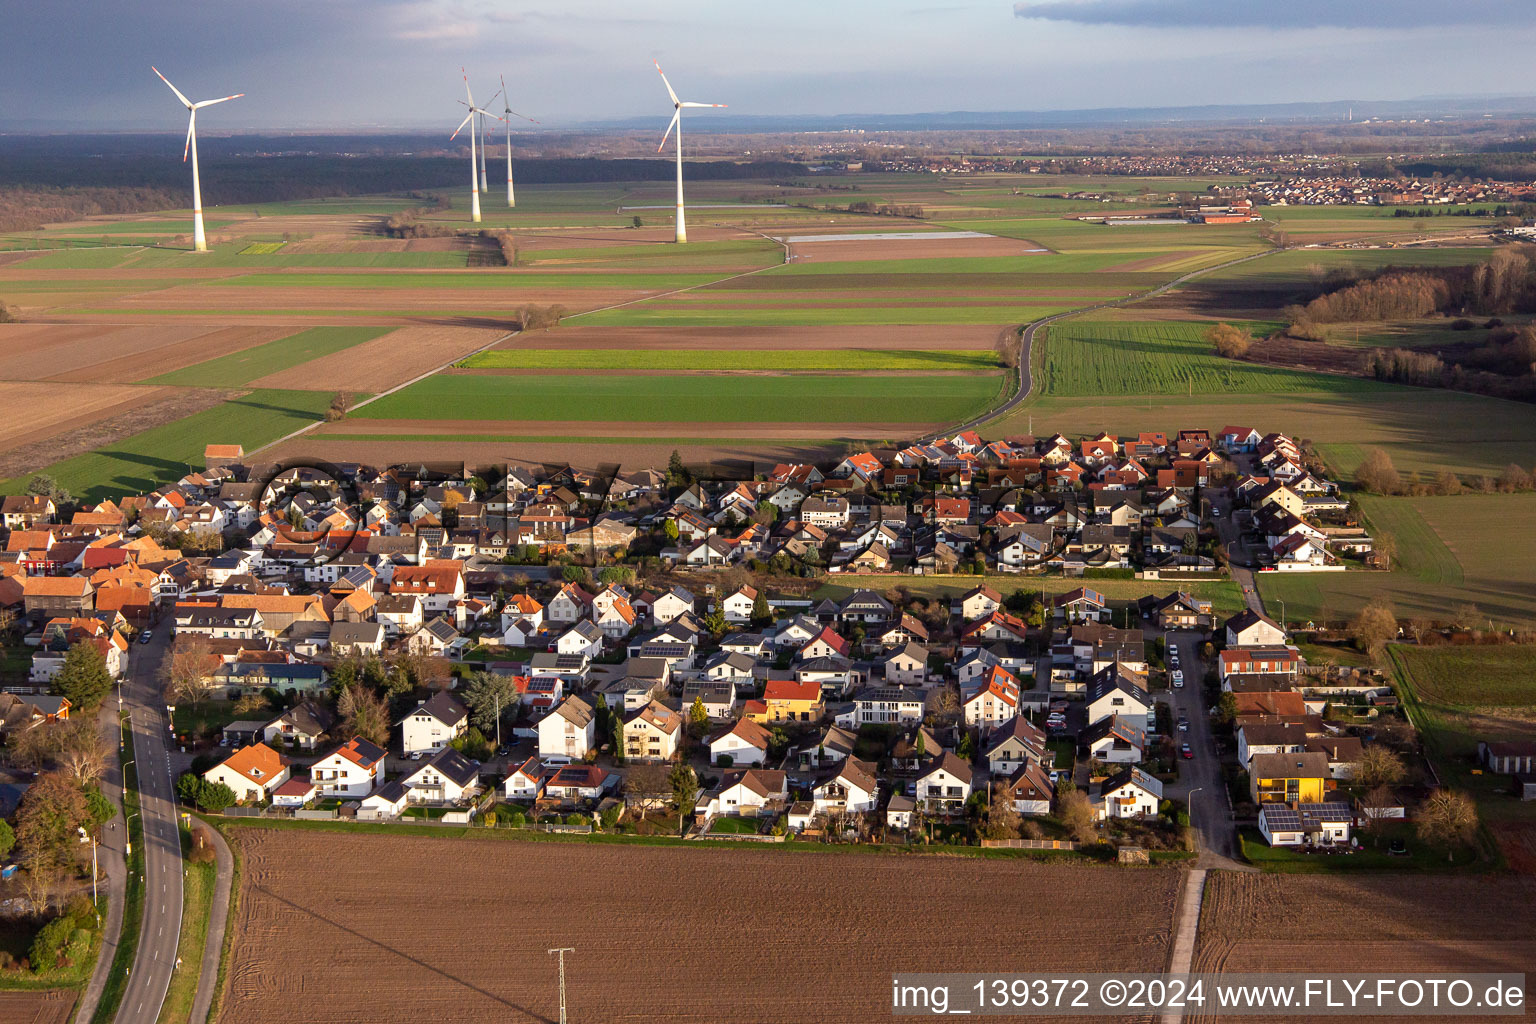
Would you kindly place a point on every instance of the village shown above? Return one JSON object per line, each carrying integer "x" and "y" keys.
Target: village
{"x": 646, "y": 652}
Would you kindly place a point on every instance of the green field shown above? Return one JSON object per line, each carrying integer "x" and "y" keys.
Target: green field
{"x": 1501, "y": 676}
{"x": 725, "y": 360}
{"x": 680, "y": 316}
{"x": 1464, "y": 550}
{"x": 494, "y": 278}
{"x": 166, "y": 453}
{"x": 1096, "y": 357}
{"x": 870, "y": 399}
{"x": 239, "y": 368}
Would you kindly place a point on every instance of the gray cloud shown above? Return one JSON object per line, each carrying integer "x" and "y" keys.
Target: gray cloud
{"x": 1273, "y": 14}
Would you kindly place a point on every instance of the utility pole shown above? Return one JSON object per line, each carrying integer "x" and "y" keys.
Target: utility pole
{"x": 561, "y": 954}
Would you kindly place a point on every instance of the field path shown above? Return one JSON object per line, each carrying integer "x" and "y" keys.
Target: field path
{"x": 1027, "y": 339}
{"x": 1183, "y": 956}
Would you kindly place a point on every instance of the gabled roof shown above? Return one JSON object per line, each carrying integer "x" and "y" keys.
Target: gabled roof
{"x": 453, "y": 765}
{"x": 950, "y": 763}
{"x": 1016, "y": 728}
{"x": 747, "y": 731}
{"x": 258, "y": 762}
{"x": 360, "y": 752}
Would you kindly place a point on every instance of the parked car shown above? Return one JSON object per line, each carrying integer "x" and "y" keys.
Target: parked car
{"x": 1183, "y": 724}
{"x": 1187, "y": 751}
{"x": 146, "y": 636}
{"x": 1178, "y": 679}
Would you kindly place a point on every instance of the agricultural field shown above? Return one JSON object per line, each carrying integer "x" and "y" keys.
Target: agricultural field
{"x": 245, "y": 366}
{"x": 36, "y": 1006}
{"x": 1397, "y": 924}
{"x": 783, "y": 360}
{"x": 1466, "y": 551}
{"x": 763, "y": 927}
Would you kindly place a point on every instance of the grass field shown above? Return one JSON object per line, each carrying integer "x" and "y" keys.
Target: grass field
{"x": 1464, "y": 550}
{"x": 164, "y": 454}
{"x": 871, "y": 399}
{"x": 981, "y": 360}
{"x": 239, "y": 368}
{"x": 1502, "y": 676}
{"x": 1095, "y": 357}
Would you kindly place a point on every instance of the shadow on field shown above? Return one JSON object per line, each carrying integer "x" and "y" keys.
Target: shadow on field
{"x": 404, "y": 956}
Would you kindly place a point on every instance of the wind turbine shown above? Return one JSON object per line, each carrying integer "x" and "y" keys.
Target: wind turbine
{"x": 474, "y": 168}
{"x": 677, "y": 122}
{"x": 506, "y": 102}
{"x": 199, "y": 239}
{"x": 485, "y": 144}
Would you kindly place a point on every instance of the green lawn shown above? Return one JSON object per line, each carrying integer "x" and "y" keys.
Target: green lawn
{"x": 164, "y": 454}
{"x": 1420, "y": 551}
{"x": 254, "y": 363}
{"x": 1093, "y": 357}
{"x": 762, "y": 359}
{"x": 1473, "y": 677}
{"x": 734, "y": 826}
{"x": 870, "y": 399}
{"x": 1372, "y": 856}
{"x": 205, "y": 716}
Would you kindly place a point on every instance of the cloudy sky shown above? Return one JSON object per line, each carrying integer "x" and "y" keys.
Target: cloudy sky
{"x": 367, "y": 63}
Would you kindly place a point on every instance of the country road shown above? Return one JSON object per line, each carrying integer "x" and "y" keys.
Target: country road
{"x": 161, "y": 930}
{"x": 1027, "y": 342}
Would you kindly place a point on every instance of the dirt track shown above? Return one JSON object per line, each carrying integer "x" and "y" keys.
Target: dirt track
{"x": 336, "y": 927}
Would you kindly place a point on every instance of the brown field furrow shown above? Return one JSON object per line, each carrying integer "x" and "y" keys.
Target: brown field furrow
{"x": 946, "y": 337}
{"x": 45, "y": 1006}
{"x": 38, "y": 409}
{"x": 792, "y": 431}
{"x": 538, "y": 239}
{"x": 113, "y": 354}
{"x": 21, "y": 275}
{"x": 1389, "y": 923}
{"x": 456, "y": 929}
{"x": 382, "y": 363}
{"x": 68, "y": 433}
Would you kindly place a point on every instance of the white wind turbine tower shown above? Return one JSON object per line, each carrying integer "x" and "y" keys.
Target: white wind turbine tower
{"x": 677, "y": 122}
{"x": 485, "y": 140}
{"x": 506, "y": 102}
{"x": 199, "y": 239}
{"x": 474, "y": 168}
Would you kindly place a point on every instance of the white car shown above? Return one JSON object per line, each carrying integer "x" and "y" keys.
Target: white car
{"x": 1178, "y": 679}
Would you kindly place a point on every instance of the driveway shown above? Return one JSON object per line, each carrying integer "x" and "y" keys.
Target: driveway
{"x": 1210, "y": 810}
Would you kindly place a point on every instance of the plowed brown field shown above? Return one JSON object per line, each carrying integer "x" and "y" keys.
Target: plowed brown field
{"x": 337, "y": 927}
{"x": 320, "y": 299}
{"x": 908, "y": 249}
{"x": 49, "y": 1006}
{"x": 946, "y": 338}
{"x": 112, "y": 354}
{"x": 383, "y": 362}
{"x": 35, "y": 409}
{"x": 1387, "y": 923}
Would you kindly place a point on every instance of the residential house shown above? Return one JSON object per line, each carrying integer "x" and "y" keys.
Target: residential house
{"x": 851, "y": 789}
{"x": 302, "y": 725}
{"x": 1269, "y": 738}
{"x": 1299, "y": 778}
{"x": 1130, "y": 794}
{"x": 433, "y": 724}
{"x": 1250, "y": 629}
{"x": 944, "y": 784}
{"x": 749, "y": 793}
{"x": 1030, "y": 789}
{"x": 579, "y": 783}
{"x": 791, "y": 700}
{"x": 652, "y": 733}
{"x": 526, "y": 781}
{"x": 1116, "y": 740}
{"x": 296, "y": 792}
{"x": 448, "y": 778}
{"x": 567, "y": 732}
{"x": 1115, "y": 690}
{"x": 252, "y": 772}
{"x": 906, "y": 666}
{"x": 1306, "y": 824}
{"x": 351, "y": 770}
{"x": 1014, "y": 744}
{"x": 993, "y": 701}
{"x": 744, "y": 742}
{"x": 884, "y": 705}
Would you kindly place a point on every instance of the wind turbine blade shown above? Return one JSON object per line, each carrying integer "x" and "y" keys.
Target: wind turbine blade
{"x": 673, "y": 124}
{"x": 467, "y": 118}
{"x": 493, "y": 96}
{"x": 467, "y": 93}
{"x": 185, "y": 102}
{"x": 191, "y": 121}
{"x": 666, "y": 83}
{"x": 685, "y": 104}
{"x": 525, "y": 117}
{"x": 208, "y": 103}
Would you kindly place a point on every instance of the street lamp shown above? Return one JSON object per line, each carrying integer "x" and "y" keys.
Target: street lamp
{"x": 1191, "y": 800}
{"x": 87, "y": 837}
{"x": 128, "y": 835}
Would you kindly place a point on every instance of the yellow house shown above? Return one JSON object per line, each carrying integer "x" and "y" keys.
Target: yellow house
{"x": 1288, "y": 778}
{"x": 1282, "y": 496}
{"x": 788, "y": 700}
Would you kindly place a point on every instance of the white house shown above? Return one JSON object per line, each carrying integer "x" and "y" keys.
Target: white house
{"x": 1130, "y": 794}
{"x": 906, "y": 666}
{"x": 671, "y": 605}
{"x": 1115, "y": 740}
{"x": 745, "y": 742}
{"x": 582, "y": 638}
{"x": 1014, "y": 744}
{"x": 1250, "y": 629}
{"x": 886, "y": 705}
{"x": 567, "y": 732}
{"x": 993, "y": 701}
{"x": 1031, "y": 790}
{"x": 252, "y": 772}
{"x": 1115, "y": 691}
{"x": 749, "y": 792}
{"x": 446, "y": 779}
{"x": 852, "y": 789}
{"x": 351, "y": 770}
{"x": 296, "y": 792}
{"x": 433, "y": 724}
{"x": 387, "y": 801}
{"x": 944, "y": 784}
{"x": 525, "y": 782}
{"x": 737, "y": 607}
{"x": 652, "y": 733}
{"x": 1325, "y": 824}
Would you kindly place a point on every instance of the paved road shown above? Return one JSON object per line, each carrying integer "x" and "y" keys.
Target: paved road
{"x": 1210, "y": 810}
{"x": 156, "y": 957}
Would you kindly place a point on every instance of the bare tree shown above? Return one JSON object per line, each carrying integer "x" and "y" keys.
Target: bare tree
{"x": 189, "y": 670}
{"x": 1378, "y": 766}
{"x": 364, "y": 713}
{"x": 1447, "y": 818}
{"x": 82, "y": 752}
{"x": 1076, "y": 813}
{"x": 1374, "y": 626}
{"x": 1002, "y": 821}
